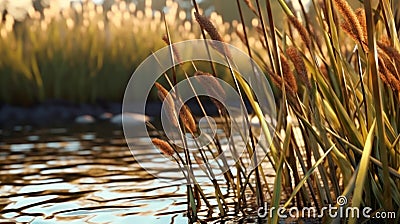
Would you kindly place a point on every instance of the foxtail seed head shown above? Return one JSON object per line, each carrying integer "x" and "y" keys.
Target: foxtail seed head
{"x": 163, "y": 146}
{"x": 351, "y": 19}
{"x": 299, "y": 65}
{"x": 288, "y": 74}
{"x": 301, "y": 29}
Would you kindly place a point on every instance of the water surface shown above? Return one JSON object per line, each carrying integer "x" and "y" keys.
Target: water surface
{"x": 87, "y": 174}
{"x": 81, "y": 175}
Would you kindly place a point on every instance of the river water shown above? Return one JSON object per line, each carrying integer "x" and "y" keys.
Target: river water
{"x": 83, "y": 174}
{"x": 87, "y": 174}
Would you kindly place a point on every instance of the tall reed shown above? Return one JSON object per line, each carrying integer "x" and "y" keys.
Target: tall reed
{"x": 337, "y": 88}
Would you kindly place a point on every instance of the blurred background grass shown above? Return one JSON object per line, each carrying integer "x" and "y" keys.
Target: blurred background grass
{"x": 85, "y": 51}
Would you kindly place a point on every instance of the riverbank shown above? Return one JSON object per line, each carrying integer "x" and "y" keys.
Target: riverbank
{"x": 55, "y": 112}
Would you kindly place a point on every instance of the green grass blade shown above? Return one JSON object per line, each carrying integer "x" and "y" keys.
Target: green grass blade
{"x": 363, "y": 170}
{"x": 306, "y": 176}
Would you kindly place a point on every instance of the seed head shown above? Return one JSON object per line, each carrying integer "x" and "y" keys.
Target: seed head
{"x": 388, "y": 78}
{"x": 163, "y": 146}
{"x": 351, "y": 19}
{"x": 170, "y": 111}
{"x": 207, "y": 25}
{"x": 299, "y": 65}
{"x": 288, "y": 74}
{"x": 187, "y": 119}
{"x": 301, "y": 29}
{"x": 174, "y": 50}
{"x": 213, "y": 88}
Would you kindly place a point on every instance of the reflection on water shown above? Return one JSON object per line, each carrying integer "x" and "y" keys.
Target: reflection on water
{"x": 50, "y": 176}
{"x": 82, "y": 175}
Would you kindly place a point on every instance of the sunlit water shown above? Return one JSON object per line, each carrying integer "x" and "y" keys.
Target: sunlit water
{"x": 82, "y": 175}
{"x": 86, "y": 174}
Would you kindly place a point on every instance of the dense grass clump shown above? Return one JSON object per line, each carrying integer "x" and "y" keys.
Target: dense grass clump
{"x": 335, "y": 71}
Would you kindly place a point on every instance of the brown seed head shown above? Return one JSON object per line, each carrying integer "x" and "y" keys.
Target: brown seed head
{"x": 301, "y": 29}
{"x": 299, "y": 65}
{"x": 346, "y": 27}
{"x": 170, "y": 110}
{"x": 360, "y": 13}
{"x": 241, "y": 37}
{"x": 211, "y": 84}
{"x": 207, "y": 25}
{"x": 184, "y": 114}
{"x": 174, "y": 50}
{"x": 351, "y": 18}
{"x": 187, "y": 119}
{"x": 388, "y": 78}
{"x": 163, "y": 146}
{"x": 390, "y": 66}
{"x": 251, "y": 6}
{"x": 288, "y": 74}
{"x": 324, "y": 70}
{"x": 162, "y": 91}
{"x": 391, "y": 52}
{"x": 213, "y": 88}
{"x": 198, "y": 159}
{"x": 165, "y": 39}
{"x": 277, "y": 81}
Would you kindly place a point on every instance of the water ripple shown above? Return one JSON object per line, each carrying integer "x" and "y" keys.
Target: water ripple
{"x": 69, "y": 176}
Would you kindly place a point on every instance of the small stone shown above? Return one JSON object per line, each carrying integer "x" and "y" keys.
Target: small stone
{"x": 85, "y": 119}
{"x": 106, "y": 116}
{"x": 129, "y": 118}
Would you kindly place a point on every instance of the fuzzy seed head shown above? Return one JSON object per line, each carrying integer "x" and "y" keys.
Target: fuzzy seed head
{"x": 174, "y": 50}
{"x": 288, "y": 74}
{"x": 187, "y": 119}
{"x": 391, "y": 52}
{"x": 213, "y": 88}
{"x": 299, "y": 65}
{"x": 301, "y": 29}
{"x": 360, "y": 13}
{"x": 170, "y": 111}
{"x": 387, "y": 77}
{"x": 163, "y": 146}
{"x": 351, "y": 18}
{"x": 207, "y": 25}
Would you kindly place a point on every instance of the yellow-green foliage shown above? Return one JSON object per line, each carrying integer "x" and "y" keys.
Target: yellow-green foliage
{"x": 78, "y": 54}
{"x": 85, "y": 53}
{"x": 336, "y": 75}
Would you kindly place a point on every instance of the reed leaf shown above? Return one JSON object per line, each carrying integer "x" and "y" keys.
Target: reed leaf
{"x": 363, "y": 170}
